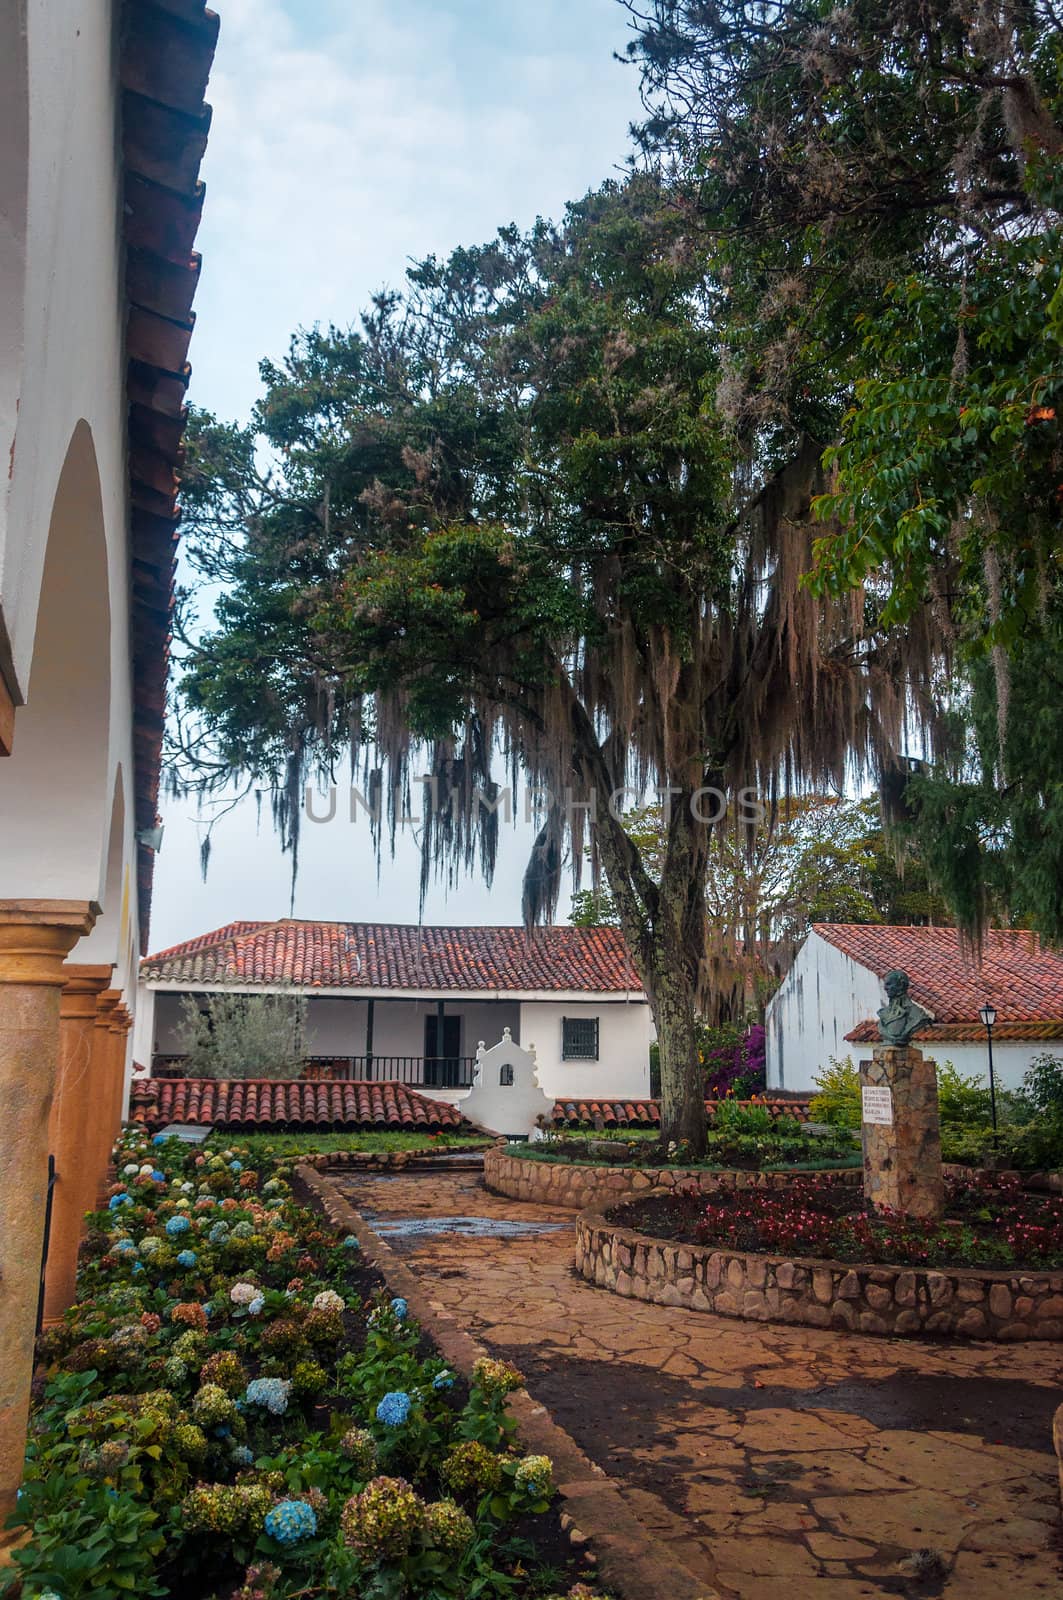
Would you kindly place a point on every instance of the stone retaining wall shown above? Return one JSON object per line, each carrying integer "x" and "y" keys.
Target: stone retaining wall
{"x": 956, "y": 1302}
{"x": 557, "y": 1183}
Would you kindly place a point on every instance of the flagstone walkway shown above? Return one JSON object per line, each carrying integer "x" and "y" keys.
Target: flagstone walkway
{"x": 774, "y": 1460}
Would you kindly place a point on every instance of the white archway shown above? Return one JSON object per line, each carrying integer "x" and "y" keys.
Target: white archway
{"x": 109, "y": 938}
{"x": 55, "y": 810}
{"x": 14, "y": 188}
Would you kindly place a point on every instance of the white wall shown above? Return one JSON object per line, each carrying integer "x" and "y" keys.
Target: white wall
{"x": 62, "y": 383}
{"x": 336, "y": 1025}
{"x": 622, "y": 1071}
{"x": 824, "y": 995}
{"x": 1010, "y": 1060}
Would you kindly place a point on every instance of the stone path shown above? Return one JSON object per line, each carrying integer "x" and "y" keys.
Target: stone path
{"x": 776, "y": 1461}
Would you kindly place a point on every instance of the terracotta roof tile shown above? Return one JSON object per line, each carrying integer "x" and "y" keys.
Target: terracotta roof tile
{"x": 964, "y": 1032}
{"x": 364, "y": 955}
{"x": 1019, "y": 976}
{"x": 261, "y": 1102}
{"x": 647, "y": 1113}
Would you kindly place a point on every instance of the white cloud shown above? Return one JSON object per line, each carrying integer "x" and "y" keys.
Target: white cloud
{"x": 350, "y": 136}
{"x": 380, "y": 131}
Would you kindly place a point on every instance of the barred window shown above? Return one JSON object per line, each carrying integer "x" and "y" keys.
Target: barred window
{"x": 579, "y": 1038}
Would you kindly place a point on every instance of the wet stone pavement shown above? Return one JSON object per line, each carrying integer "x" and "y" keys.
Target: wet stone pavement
{"x": 773, "y": 1460}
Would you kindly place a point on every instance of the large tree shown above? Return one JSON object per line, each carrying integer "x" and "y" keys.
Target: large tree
{"x": 880, "y": 185}
{"x": 812, "y": 858}
{"x": 507, "y": 521}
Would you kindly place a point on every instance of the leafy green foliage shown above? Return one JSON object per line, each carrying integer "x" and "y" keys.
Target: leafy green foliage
{"x": 243, "y": 1035}
{"x": 507, "y": 514}
{"x": 838, "y": 1098}
{"x": 880, "y": 188}
{"x": 175, "y": 1417}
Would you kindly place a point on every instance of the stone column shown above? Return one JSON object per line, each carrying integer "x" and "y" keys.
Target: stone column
{"x": 121, "y": 1022}
{"x": 36, "y": 936}
{"x": 101, "y": 1132}
{"x": 901, "y": 1133}
{"x": 77, "y": 1167}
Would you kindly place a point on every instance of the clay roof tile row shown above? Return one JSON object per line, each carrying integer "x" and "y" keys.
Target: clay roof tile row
{"x": 647, "y": 1113}
{"x": 1020, "y": 977}
{"x": 264, "y": 1102}
{"x": 392, "y": 956}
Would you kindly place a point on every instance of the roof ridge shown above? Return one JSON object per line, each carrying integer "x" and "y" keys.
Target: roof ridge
{"x": 201, "y": 941}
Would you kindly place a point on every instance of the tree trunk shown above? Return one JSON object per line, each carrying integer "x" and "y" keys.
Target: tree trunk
{"x": 672, "y": 998}
{"x": 665, "y": 927}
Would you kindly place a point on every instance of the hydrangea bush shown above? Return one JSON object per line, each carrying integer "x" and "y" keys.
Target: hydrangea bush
{"x": 221, "y": 1413}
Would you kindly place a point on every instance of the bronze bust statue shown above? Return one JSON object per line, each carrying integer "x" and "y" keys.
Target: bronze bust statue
{"x": 900, "y": 1017}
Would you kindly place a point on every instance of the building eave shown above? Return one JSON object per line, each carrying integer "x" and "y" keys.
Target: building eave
{"x": 166, "y": 53}
{"x": 383, "y": 992}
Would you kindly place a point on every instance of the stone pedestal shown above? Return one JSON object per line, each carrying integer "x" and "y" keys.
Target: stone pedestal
{"x": 35, "y": 939}
{"x": 901, "y": 1133}
{"x": 77, "y": 1157}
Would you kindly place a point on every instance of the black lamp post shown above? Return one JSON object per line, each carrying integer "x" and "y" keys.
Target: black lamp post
{"x": 989, "y": 1017}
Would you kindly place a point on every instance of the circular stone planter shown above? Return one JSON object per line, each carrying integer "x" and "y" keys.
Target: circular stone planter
{"x": 955, "y": 1302}
{"x": 562, "y": 1183}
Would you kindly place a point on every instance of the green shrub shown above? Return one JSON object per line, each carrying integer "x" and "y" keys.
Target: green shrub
{"x": 1043, "y": 1085}
{"x": 838, "y": 1100}
{"x": 962, "y": 1100}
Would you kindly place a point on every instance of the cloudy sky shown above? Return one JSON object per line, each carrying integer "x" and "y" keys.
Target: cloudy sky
{"x": 350, "y": 136}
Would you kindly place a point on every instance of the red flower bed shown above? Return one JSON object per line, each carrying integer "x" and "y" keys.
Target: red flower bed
{"x": 987, "y": 1224}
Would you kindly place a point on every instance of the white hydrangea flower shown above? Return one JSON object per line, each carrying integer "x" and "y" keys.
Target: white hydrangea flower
{"x": 329, "y": 1300}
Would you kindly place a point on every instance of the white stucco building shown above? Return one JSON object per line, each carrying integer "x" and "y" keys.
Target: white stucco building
{"x": 387, "y": 1002}
{"x": 102, "y": 128}
{"x": 828, "y": 1004}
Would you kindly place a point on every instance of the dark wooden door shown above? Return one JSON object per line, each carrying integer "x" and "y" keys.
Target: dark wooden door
{"x": 441, "y": 1056}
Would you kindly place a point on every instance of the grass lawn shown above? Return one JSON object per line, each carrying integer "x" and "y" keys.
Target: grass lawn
{"x": 298, "y": 1144}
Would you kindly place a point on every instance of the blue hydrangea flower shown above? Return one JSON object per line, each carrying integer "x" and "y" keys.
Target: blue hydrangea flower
{"x": 290, "y": 1521}
{"x": 208, "y": 1309}
{"x": 242, "y": 1456}
{"x": 118, "y": 1200}
{"x": 269, "y": 1392}
{"x": 394, "y": 1408}
{"x": 238, "y": 1166}
{"x": 138, "y": 1266}
{"x": 176, "y": 1226}
{"x": 157, "y": 1176}
{"x": 124, "y": 1247}
{"x": 186, "y": 1258}
{"x": 443, "y": 1380}
{"x": 254, "y": 1307}
{"x": 351, "y": 1243}
{"x": 400, "y": 1308}
{"x": 159, "y": 1138}
{"x": 219, "y": 1233}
